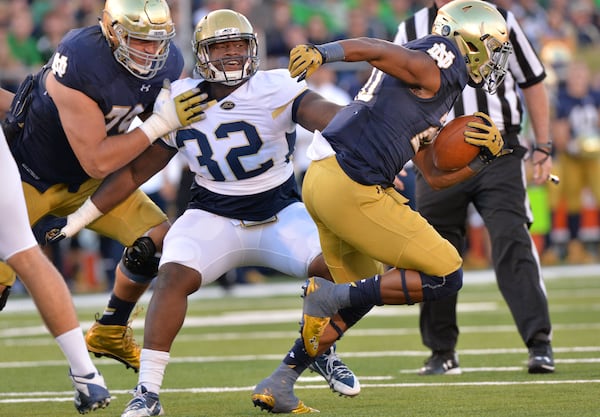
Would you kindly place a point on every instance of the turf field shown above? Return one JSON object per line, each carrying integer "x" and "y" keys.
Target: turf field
{"x": 231, "y": 342}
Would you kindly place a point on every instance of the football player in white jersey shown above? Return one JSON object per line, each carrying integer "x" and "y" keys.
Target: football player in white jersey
{"x": 245, "y": 207}
{"x": 43, "y": 281}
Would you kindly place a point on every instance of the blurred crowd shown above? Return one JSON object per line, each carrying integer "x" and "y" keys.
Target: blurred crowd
{"x": 565, "y": 33}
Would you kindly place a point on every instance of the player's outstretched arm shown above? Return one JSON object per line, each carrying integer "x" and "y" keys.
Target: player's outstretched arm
{"x": 415, "y": 68}
{"x": 112, "y": 191}
{"x": 85, "y": 126}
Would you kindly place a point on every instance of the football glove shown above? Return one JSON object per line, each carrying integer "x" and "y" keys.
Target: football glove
{"x": 172, "y": 113}
{"x": 487, "y": 137}
{"x": 304, "y": 61}
{"x": 50, "y": 230}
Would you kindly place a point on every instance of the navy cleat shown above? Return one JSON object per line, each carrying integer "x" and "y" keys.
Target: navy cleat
{"x": 541, "y": 360}
{"x": 144, "y": 403}
{"x": 339, "y": 377}
{"x": 441, "y": 363}
{"x": 319, "y": 306}
{"x": 90, "y": 392}
{"x": 276, "y": 395}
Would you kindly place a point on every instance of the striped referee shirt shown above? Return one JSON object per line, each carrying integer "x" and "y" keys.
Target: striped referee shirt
{"x": 524, "y": 69}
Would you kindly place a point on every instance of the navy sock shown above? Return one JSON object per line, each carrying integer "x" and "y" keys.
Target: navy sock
{"x": 297, "y": 358}
{"x": 117, "y": 311}
{"x": 366, "y": 292}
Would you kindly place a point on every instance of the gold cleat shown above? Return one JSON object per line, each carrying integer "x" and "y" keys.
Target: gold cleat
{"x": 114, "y": 341}
{"x": 266, "y": 401}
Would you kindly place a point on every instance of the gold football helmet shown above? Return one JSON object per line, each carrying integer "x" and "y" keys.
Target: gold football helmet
{"x": 223, "y": 26}
{"x": 148, "y": 20}
{"x": 481, "y": 34}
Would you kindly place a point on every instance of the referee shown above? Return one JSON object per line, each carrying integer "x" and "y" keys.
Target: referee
{"x": 498, "y": 193}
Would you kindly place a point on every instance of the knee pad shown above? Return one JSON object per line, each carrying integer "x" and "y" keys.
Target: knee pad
{"x": 139, "y": 262}
{"x": 435, "y": 288}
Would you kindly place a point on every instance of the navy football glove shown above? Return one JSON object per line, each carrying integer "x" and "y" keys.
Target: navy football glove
{"x": 50, "y": 230}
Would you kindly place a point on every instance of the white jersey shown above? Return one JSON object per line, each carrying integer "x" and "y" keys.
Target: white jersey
{"x": 244, "y": 145}
{"x": 245, "y": 209}
{"x": 15, "y": 231}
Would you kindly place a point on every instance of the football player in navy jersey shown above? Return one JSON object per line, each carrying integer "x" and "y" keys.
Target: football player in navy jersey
{"x": 348, "y": 188}
{"x": 68, "y": 127}
{"x": 245, "y": 207}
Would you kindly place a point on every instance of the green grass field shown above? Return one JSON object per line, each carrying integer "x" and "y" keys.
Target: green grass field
{"x": 230, "y": 343}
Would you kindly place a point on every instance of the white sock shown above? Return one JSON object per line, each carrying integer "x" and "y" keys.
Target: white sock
{"x": 152, "y": 369}
{"x": 75, "y": 350}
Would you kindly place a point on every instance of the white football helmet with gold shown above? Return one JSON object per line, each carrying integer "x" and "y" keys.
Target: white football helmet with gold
{"x": 224, "y": 26}
{"x": 481, "y": 34}
{"x": 149, "y": 20}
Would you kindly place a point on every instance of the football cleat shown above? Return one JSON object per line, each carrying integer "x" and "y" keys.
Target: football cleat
{"x": 277, "y": 396}
{"x": 319, "y": 306}
{"x": 90, "y": 392}
{"x": 541, "y": 359}
{"x": 441, "y": 363}
{"x": 114, "y": 341}
{"x": 144, "y": 403}
{"x": 339, "y": 377}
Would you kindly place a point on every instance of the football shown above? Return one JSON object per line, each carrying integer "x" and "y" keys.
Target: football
{"x": 450, "y": 151}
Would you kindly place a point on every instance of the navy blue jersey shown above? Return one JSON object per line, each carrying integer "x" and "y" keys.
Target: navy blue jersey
{"x": 372, "y": 135}
{"x": 83, "y": 61}
{"x": 582, "y": 112}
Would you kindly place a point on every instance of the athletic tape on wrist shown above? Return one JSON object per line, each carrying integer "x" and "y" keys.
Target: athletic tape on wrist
{"x": 84, "y": 215}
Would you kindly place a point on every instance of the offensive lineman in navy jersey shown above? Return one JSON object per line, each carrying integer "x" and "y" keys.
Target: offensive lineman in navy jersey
{"x": 348, "y": 188}
{"x": 71, "y": 133}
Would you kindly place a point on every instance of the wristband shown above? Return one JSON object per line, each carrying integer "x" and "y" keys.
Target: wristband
{"x": 545, "y": 148}
{"x": 154, "y": 127}
{"x": 84, "y": 215}
{"x": 331, "y": 52}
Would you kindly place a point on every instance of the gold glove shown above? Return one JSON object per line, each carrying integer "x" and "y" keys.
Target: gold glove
{"x": 304, "y": 61}
{"x": 487, "y": 137}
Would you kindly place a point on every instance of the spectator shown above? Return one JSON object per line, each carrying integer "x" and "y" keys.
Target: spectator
{"x": 54, "y": 27}
{"x": 582, "y": 14}
{"x": 277, "y": 47}
{"x": 21, "y": 43}
{"x": 576, "y": 131}
{"x": 317, "y": 31}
